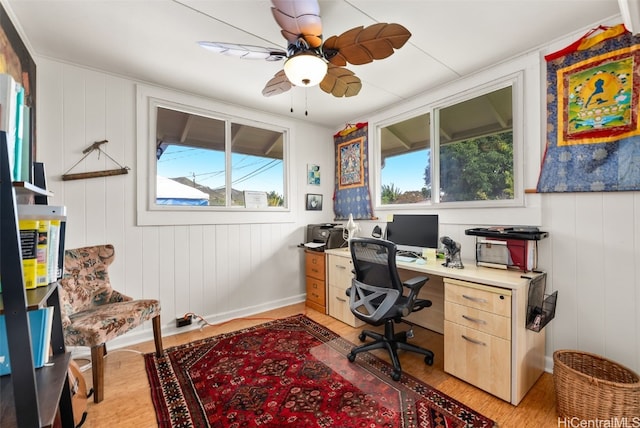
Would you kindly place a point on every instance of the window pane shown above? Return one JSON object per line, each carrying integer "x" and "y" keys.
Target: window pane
{"x": 476, "y": 149}
{"x": 190, "y": 159}
{"x": 405, "y": 159}
{"x": 192, "y": 153}
{"x": 257, "y": 163}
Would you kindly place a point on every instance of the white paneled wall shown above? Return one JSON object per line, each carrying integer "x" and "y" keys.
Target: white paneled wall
{"x": 592, "y": 255}
{"x": 219, "y": 271}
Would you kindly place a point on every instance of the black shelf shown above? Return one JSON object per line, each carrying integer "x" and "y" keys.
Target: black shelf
{"x": 24, "y": 187}
{"x": 50, "y": 381}
{"x": 29, "y": 398}
{"x": 507, "y": 233}
{"x": 35, "y": 298}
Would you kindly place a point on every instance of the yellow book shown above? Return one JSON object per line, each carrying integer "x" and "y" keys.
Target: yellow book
{"x": 43, "y": 253}
{"x": 29, "y": 247}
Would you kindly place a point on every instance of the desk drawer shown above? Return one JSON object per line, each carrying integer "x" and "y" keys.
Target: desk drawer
{"x": 340, "y": 271}
{"x": 316, "y": 291}
{"x": 338, "y": 307}
{"x": 481, "y": 359}
{"x": 486, "y": 322}
{"x": 314, "y": 265}
{"x": 490, "y": 299}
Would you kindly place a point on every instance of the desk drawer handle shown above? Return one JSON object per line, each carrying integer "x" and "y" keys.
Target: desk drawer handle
{"x": 476, "y": 342}
{"x": 475, "y": 320}
{"x": 475, "y": 299}
{"x": 341, "y": 267}
{"x": 341, "y": 300}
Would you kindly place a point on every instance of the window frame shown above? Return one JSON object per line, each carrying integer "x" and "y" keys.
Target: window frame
{"x": 516, "y": 81}
{"x": 149, "y": 213}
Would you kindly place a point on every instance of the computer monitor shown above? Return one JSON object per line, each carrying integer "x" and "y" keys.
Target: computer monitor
{"x": 413, "y": 232}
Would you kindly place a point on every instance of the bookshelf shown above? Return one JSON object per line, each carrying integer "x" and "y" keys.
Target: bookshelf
{"x": 30, "y": 397}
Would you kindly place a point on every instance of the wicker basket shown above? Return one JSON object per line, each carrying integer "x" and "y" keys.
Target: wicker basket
{"x": 591, "y": 387}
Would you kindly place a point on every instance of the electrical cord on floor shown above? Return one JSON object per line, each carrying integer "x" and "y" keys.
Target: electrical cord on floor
{"x": 204, "y": 323}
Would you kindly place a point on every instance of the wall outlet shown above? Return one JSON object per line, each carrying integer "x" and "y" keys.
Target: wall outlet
{"x": 183, "y": 321}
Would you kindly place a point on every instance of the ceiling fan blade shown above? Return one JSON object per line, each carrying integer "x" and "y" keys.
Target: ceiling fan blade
{"x": 340, "y": 82}
{"x": 362, "y": 45}
{"x": 277, "y": 85}
{"x": 299, "y": 18}
{"x": 245, "y": 51}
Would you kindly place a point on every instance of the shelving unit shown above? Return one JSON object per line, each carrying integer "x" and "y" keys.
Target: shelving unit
{"x": 30, "y": 397}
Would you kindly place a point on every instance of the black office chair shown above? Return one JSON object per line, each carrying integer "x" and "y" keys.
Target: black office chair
{"x": 376, "y": 297}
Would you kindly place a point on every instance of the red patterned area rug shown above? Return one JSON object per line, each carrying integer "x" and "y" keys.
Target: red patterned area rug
{"x": 291, "y": 372}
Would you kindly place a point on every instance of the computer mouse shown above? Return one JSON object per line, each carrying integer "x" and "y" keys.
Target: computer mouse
{"x": 420, "y": 261}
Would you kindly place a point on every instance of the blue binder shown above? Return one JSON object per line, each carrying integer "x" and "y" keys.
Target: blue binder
{"x": 40, "y": 321}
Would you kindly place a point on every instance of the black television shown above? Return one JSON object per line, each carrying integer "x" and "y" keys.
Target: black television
{"x": 412, "y": 233}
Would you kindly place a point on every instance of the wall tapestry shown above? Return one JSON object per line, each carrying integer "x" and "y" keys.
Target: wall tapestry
{"x": 593, "y": 118}
{"x": 351, "y": 195}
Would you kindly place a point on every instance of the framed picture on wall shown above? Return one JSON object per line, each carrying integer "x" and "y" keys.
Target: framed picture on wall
{"x": 314, "y": 202}
{"x": 313, "y": 174}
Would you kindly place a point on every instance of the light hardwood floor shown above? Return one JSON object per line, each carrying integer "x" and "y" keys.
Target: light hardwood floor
{"x": 128, "y": 403}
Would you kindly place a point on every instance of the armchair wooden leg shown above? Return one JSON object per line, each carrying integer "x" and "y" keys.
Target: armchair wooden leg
{"x": 157, "y": 335}
{"x": 97, "y": 369}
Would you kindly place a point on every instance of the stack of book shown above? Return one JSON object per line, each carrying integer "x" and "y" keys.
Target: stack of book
{"x": 15, "y": 120}
{"x": 42, "y": 243}
{"x": 40, "y": 322}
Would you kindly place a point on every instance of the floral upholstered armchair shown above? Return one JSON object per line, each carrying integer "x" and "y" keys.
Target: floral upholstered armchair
{"x": 94, "y": 313}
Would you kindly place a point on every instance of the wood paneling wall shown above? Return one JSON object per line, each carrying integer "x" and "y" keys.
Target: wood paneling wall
{"x": 592, "y": 255}
{"x": 218, "y": 270}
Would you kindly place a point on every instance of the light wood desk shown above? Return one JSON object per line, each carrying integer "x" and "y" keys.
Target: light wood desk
{"x": 480, "y": 311}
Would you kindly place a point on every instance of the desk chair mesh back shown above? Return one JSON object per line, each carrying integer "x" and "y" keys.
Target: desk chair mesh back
{"x": 377, "y": 297}
{"x": 94, "y": 313}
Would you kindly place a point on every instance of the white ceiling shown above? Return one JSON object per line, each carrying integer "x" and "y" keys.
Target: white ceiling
{"x": 155, "y": 41}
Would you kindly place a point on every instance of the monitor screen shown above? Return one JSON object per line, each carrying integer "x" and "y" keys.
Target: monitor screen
{"x": 413, "y": 232}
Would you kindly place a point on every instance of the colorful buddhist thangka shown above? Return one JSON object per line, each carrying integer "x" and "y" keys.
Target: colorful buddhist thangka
{"x": 351, "y": 194}
{"x": 351, "y": 163}
{"x": 593, "y": 126}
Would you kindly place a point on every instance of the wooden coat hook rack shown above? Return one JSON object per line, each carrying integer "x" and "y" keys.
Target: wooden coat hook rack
{"x": 95, "y": 146}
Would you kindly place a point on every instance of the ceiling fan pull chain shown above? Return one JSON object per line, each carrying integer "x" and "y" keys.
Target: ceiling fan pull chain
{"x": 306, "y": 105}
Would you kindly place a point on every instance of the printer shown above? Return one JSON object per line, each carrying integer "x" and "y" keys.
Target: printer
{"x": 328, "y": 235}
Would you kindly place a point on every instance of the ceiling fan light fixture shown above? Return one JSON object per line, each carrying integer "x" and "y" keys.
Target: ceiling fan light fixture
{"x": 305, "y": 69}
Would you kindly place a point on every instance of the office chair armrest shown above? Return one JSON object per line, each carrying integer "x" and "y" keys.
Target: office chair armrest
{"x": 416, "y": 283}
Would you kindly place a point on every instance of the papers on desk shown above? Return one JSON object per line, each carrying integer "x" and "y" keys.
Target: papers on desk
{"x": 314, "y": 244}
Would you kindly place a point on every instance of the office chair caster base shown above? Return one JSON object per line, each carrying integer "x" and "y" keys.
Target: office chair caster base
{"x": 396, "y": 375}
{"x": 351, "y": 357}
{"x": 428, "y": 360}
{"x": 362, "y": 337}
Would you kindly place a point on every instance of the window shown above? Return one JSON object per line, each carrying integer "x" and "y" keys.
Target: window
{"x": 196, "y": 161}
{"x": 476, "y": 149}
{"x": 405, "y": 172}
{"x": 192, "y": 152}
{"x": 470, "y": 159}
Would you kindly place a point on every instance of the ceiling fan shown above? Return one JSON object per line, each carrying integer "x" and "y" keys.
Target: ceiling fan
{"x": 310, "y": 61}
